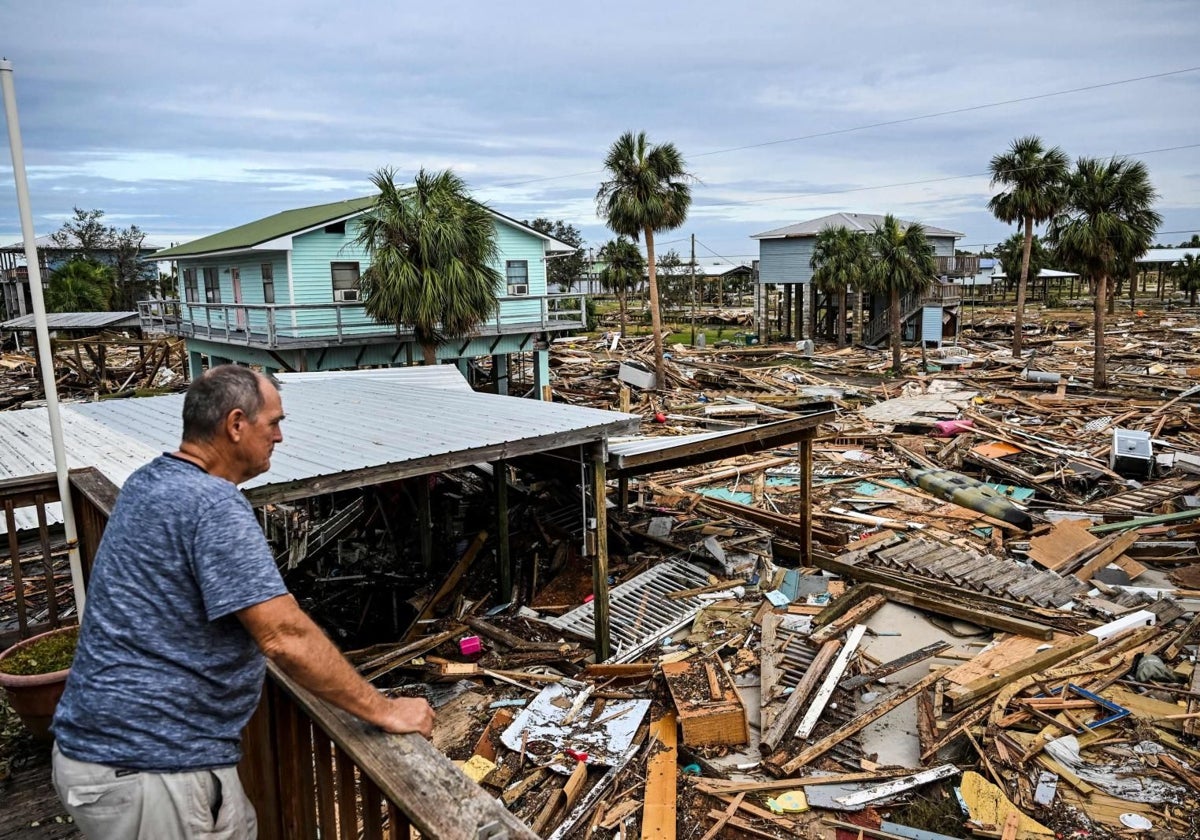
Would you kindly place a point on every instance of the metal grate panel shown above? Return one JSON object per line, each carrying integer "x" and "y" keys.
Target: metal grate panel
{"x": 640, "y": 613}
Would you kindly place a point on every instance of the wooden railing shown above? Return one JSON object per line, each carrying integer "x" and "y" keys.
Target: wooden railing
{"x": 315, "y": 771}
{"x": 960, "y": 265}
{"x": 311, "y": 770}
{"x": 935, "y": 294}
{"x": 35, "y": 577}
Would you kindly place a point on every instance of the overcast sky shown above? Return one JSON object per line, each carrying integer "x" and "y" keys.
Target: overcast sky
{"x": 190, "y": 117}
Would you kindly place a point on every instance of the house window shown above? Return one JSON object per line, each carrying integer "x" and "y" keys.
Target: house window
{"x": 189, "y": 285}
{"x": 336, "y": 227}
{"x": 345, "y": 281}
{"x": 517, "y": 272}
{"x": 212, "y": 285}
{"x": 268, "y": 278}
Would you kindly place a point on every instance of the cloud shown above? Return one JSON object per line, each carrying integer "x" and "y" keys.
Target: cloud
{"x": 204, "y": 114}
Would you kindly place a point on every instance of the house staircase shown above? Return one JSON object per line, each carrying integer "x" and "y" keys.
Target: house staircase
{"x": 877, "y": 329}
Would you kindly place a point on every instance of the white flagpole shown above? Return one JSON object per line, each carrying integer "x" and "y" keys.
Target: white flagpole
{"x": 45, "y": 354}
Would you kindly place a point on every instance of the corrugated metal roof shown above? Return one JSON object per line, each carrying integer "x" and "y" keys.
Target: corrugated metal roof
{"x": 337, "y": 424}
{"x": 75, "y": 321}
{"x": 651, "y": 454}
{"x": 865, "y": 222}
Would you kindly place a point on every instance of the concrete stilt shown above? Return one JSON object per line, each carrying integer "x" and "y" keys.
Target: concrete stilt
{"x": 500, "y": 373}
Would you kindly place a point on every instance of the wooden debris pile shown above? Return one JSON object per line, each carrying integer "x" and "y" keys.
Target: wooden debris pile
{"x": 97, "y": 365}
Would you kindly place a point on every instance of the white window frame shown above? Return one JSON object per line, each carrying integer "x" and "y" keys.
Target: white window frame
{"x": 345, "y": 290}
{"x": 518, "y": 281}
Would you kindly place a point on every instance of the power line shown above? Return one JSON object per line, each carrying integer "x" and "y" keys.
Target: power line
{"x": 885, "y": 123}
{"x": 917, "y": 183}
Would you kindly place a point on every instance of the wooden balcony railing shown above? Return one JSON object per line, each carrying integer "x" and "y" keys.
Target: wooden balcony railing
{"x": 960, "y": 265}
{"x": 311, "y": 770}
{"x": 35, "y": 577}
{"x": 315, "y": 771}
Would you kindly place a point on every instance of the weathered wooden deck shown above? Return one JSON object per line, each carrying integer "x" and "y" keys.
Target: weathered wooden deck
{"x": 29, "y": 807}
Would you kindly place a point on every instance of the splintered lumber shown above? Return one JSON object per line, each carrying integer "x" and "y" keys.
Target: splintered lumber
{"x": 849, "y": 619}
{"x": 813, "y": 714}
{"x": 1064, "y": 539}
{"x": 768, "y": 677}
{"x": 449, "y": 584}
{"x": 896, "y": 665}
{"x": 1108, "y": 554}
{"x": 774, "y": 736}
{"x": 815, "y": 751}
{"x": 961, "y": 696}
{"x": 562, "y": 799}
{"x": 658, "y": 815}
{"x": 730, "y": 810}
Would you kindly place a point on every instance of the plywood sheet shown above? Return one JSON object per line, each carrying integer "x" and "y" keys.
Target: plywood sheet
{"x": 995, "y": 449}
{"x": 1064, "y": 539}
{"x": 1008, "y": 650}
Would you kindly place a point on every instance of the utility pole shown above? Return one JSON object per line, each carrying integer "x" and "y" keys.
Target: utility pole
{"x": 692, "y": 266}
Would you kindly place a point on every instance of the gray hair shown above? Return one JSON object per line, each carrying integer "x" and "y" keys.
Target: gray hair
{"x": 217, "y": 392}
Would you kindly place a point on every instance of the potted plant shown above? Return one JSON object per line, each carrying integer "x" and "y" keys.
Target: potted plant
{"x": 34, "y": 672}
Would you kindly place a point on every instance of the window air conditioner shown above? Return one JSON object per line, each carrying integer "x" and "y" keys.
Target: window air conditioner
{"x": 345, "y": 295}
{"x": 522, "y": 289}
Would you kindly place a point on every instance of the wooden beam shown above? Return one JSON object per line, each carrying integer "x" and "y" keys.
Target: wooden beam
{"x": 448, "y": 585}
{"x": 600, "y": 561}
{"x": 815, "y": 751}
{"x": 776, "y": 734}
{"x": 849, "y": 619}
{"x": 658, "y": 814}
{"x": 806, "y": 482}
{"x": 813, "y": 713}
{"x": 962, "y": 696}
{"x": 503, "y": 555}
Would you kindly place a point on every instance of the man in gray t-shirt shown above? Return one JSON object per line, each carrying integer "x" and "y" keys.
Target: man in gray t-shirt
{"x": 184, "y": 602}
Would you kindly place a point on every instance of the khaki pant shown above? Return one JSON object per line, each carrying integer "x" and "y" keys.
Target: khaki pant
{"x": 110, "y": 804}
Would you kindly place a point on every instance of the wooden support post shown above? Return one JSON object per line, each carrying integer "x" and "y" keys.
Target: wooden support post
{"x": 503, "y": 555}
{"x": 600, "y": 561}
{"x": 623, "y": 493}
{"x": 425, "y": 520}
{"x": 806, "y": 479}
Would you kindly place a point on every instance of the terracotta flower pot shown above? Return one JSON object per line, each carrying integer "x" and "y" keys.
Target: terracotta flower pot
{"x": 34, "y": 697}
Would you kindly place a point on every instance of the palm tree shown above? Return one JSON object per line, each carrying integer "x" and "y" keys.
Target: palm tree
{"x": 80, "y": 286}
{"x": 902, "y": 263}
{"x": 433, "y": 251}
{"x": 1107, "y": 218}
{"x": 839, "y": 260}
{"x": 1011, "y": 253}
{"x": 1034, "y": 179}
{"x": 1187, "y": 276}
{"x": 647, "y": 191}
{"x": 622, "y": 271}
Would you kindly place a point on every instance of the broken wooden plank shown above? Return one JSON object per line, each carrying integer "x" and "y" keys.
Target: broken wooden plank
{"x": 896, "y": 665}
{"x": 813, "y": 713}
{"x": 775, "y": 735}
{"x": 658, "y": 815}
{"x": 849, "y": 619}
{"x": 1107, "y": 555}
{"x": 858, "y": 724}
{"x": 961, "y": 696}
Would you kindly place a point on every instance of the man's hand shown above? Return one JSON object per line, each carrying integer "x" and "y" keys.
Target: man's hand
{"x": 408, "y": 714}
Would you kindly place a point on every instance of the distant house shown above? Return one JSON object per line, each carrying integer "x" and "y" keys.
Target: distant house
{"x": 283, "y": 292}
{"x": 785, "y": 256}
{"x": 52, "y": 255}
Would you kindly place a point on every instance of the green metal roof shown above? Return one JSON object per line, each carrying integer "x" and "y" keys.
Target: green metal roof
{"x": 264, "y": 230}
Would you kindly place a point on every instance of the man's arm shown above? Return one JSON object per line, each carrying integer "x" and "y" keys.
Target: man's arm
{"x": 293, "y": 641}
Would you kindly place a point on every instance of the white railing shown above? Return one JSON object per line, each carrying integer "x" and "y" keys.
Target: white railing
{"x": 273, "y": 325}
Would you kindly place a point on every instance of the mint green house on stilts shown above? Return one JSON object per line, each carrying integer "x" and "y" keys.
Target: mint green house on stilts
{"x": 282, "y": 293}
